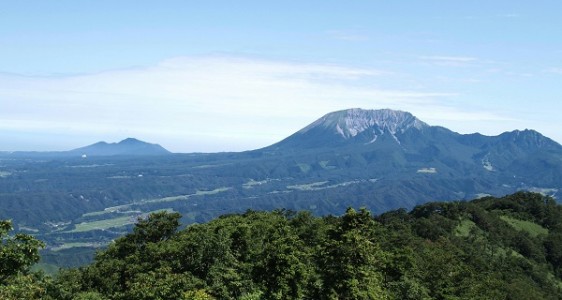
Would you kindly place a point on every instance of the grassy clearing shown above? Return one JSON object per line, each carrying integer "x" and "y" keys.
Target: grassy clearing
{"x": 211, "y": 166}
{"x": 104, "y": 224}
{"x": 307, "y": 187}
{"x": 77, "y": 245}
{"x": 251, "y": 183}
{"x": 96, "y": 213}
{"x": 167, "y": 199}
{"x": 120, "y": 209}
{"x": 464, "y": 228}
{"x": 125, "y": 209}
{"x": 113, "y": 222}
{"x": 533, "y": 229}
{"x": 316, "y": 186}
{"x": 325, "y": 166}
{"x": 501, "y": 251}
{"x": 28, "y": 229}
{"x": 333, "y": 186}
{"x": 212, "y": 192}
{"x": 427, "y": 170}
{"x": 185, "y": 197}
{"x": 120, "y": 177}
{"x": 304, "y": 167}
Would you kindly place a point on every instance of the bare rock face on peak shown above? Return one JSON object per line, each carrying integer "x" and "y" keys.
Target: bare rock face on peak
{"x": 353, "y": 122}
{"x": 354, "y": 126}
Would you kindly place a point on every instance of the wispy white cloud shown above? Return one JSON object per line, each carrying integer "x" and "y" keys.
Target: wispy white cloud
{"x": 204, "y": 103}
{"x": 554, "y": 70}
{"x": 509, "y": 15}
{"x": 450, "y": 58}
{"x": 351, "y": 36}
{"x": 520, "y": 74}
{"x": 453, "y": 61}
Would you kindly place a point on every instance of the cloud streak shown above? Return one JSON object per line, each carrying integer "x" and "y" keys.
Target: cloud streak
{"x": 452, "y": 61}
{"x": 349, "y": 36}
{"x": 554, "y": 71}
{"x": 211, "y": 103}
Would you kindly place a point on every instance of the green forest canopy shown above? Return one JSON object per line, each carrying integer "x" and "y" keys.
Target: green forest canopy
{"x": 490, "y": 248}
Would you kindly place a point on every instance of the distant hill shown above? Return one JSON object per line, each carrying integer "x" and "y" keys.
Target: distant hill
{"x": 126, "y": 147}
{"x": 129, "y": 146}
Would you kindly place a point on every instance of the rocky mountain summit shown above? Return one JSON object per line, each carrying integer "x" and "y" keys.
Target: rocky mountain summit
{"x": 352, "y": 122}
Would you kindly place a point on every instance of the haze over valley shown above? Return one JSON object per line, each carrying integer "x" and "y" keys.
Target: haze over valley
{"x": 378, "y": 159}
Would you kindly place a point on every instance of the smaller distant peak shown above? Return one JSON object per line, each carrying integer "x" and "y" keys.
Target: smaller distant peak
{"x": 523, "y": 133}
{"x": 128, "y": 146}
{"x": 527, "y": 137}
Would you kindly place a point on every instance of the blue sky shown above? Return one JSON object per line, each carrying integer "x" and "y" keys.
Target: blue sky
{"x": 237, "y": 75}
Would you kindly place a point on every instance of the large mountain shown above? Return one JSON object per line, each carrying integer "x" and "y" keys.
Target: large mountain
{"x": 400, "y": 140}
{"x": 385, "y": 128}
{"x": 421, "y": 160}
{"x": 129, "y": 146}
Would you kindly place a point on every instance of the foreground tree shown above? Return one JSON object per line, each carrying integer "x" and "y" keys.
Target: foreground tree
{"x": 17, "y": 254}
{"x": 463, "y": 250}
{"x": 353, "y": 259}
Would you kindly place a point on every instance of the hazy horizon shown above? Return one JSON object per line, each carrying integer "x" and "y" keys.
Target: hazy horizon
{"x": 233, "y": 76}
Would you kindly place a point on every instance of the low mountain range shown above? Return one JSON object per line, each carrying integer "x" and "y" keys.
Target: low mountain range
{"x": 126, "y": 147}
{"x": 378, "y": 159}
{"x": 129, "y": 146}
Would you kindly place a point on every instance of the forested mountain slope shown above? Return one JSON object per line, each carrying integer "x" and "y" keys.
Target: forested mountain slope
{"x": 491, "y": 248}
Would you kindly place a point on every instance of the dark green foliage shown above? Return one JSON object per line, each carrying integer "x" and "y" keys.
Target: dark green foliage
{"x": 459, "y": 250}
{"x": 352, "y": 258}
{"x": 17, "y": 254}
